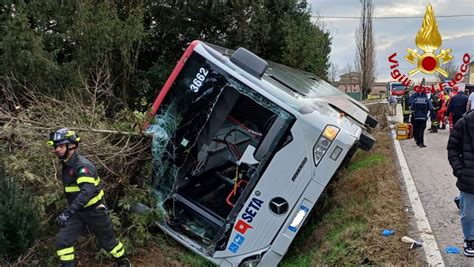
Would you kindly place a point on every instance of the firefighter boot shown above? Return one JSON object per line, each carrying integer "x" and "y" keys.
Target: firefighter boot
{"x": 124, "y": 262}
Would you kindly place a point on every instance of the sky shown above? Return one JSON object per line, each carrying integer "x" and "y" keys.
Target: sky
{"x": 396, "y": 35}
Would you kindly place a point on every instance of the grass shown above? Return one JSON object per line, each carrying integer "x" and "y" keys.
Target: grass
{"x": 164, "y": 251}
{"x": 366, "y": 161}
{"x": 345, "y": 227}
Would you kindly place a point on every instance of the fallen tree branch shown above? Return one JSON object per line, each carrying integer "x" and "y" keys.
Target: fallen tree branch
{"x": 9, "y": 119}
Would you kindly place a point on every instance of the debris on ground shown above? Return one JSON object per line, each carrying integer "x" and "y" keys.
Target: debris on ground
{"x": 452, "y": 250}
{"x": 413, "y": 242}
{"x": 388, "y": 232}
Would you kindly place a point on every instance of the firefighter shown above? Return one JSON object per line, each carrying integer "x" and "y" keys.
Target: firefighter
{"x": 406, "y": 105}
{"x": 447, "y": 97}
{"x": 436, "y": 102}
{"x": 85, "y": 196}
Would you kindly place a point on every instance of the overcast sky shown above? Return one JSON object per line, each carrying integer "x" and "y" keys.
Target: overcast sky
{"x": 396, "y": 35}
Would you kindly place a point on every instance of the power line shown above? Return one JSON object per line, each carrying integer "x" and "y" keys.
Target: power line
{"x": 387, "y": 17}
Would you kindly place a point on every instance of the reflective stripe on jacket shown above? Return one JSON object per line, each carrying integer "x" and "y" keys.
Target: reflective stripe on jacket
{"x": 82, "y": 185}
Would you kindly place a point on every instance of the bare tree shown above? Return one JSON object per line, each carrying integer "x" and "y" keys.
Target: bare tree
{"x": 333, "y": 72}
{"x": 365, "y": 58}
{"x": 451, "y": 68}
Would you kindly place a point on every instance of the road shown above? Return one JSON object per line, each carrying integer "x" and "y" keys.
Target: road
{"x": 435, "y": 183}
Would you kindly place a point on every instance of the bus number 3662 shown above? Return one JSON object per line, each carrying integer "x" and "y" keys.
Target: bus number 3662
{"x": 197, "y": 82}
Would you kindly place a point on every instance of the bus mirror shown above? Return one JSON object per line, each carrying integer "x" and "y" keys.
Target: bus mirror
{"x": 264, "y": 146}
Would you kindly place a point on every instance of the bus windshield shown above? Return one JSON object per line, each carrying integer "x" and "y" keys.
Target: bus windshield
{"x": 397, "y": 87}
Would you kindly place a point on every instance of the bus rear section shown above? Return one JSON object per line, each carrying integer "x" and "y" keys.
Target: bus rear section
{"x": 237, "y": 170}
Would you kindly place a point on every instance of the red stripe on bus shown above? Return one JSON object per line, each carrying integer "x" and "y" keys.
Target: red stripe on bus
{"x": 179, "y": 66}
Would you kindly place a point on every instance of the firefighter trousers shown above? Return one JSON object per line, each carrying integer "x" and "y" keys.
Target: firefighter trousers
{"x": 98, "y": 221}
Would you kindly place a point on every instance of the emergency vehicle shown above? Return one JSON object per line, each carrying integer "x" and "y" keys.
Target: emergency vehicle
{"x": 245, "y": 148}
{"x": 396, "y": 89}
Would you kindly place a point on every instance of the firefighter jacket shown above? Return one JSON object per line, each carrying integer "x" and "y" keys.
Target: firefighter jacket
{"x": 82, "y": 186}
{"x": 406, "y": 103}
{"x": 461, "y": 153}
{"x": 436, "y": 102}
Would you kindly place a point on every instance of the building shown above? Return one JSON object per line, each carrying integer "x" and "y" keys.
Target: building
{"x": 349, "y": 82}
{"x": 470, "y": 74}
{"x": 379, "y": 88}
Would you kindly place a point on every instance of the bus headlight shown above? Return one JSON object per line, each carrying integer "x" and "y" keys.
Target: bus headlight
{"x": 324, "y": 142}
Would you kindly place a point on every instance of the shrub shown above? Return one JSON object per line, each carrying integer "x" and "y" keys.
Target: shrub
{"x": 19, "y": 225}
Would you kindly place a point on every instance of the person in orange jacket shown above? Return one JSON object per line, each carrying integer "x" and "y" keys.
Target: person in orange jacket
{"x": 442, "y": 111}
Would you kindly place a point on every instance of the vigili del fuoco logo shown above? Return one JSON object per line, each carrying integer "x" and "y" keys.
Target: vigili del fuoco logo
{"x": 429, "y": 41}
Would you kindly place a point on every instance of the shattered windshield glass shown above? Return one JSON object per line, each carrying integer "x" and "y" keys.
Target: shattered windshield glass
{"x": 206, "y": 114}
{"x": 183, "y": 112}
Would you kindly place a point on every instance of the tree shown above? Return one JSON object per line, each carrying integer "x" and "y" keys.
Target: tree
{"x": 280, "y": 31}
{"x": 301, "y": 43}
{"x": 19, "y": 224}
{"x": 21, "y": 50}
{"x": 57, "y": 45}
{"x": 365, "y": 58}
{"x": 451, "y": 68}
{"x": 333, "y": 73}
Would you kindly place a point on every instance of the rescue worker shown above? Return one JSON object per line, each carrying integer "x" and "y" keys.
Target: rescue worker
{"x": 457, "y": 106}
{"x": 447, "y": 97}
{"x": 436, "y": 102}
{"x": 85, "y": 196}
{"x": 442, "y": 111}
{"x": 420, "y": 106}
{"x": 406, "y": 105}
{"x": 412, "y": 116}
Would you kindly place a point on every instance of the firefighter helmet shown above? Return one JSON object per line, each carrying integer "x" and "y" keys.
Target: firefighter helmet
{"x": 63, "y": 136}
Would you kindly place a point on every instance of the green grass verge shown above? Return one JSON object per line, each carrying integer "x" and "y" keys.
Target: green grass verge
{"x": 366, "y": 161}
{"x": 345, "y": 219}
{"x": 194, "y": 260}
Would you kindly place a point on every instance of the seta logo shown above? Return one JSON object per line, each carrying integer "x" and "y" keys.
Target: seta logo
{"x": 251, "y": 211}
{"x": 428, "y": 40}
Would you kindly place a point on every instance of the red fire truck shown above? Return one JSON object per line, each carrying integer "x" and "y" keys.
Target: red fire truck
{"x": 397, "y": 89}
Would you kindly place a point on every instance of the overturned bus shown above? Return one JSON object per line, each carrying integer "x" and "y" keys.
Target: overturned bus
{"x": 242, "y": 150}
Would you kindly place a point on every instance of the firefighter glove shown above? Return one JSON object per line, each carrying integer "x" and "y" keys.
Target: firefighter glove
{"x": 63, "y": 218}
